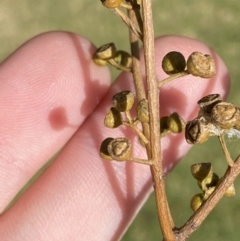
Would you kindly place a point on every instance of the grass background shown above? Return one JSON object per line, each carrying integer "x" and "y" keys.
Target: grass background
{"x": 216, "y": 23}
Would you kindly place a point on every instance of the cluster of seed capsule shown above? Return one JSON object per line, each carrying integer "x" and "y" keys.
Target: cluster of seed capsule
{"x": 197, "y": 64}
{"x": 207, "y": 181}
{"x": 119, "y": 149}
{"x": 215, "y": 118}
{"x": 107, "y": 54}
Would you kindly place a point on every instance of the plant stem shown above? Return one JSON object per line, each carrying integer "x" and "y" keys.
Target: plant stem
{"x": 225, "y": 150}
{"x": 137, "y": 71}
{"x": 165, "y": 219}
{"x": 198, "y": 217}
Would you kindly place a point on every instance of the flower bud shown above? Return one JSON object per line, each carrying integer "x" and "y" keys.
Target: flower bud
{"x": 123, "y": 101}
{"x": 173, "y": 63}
{"x": 120, "y": 149}
{"x": 113, "y": 119}
{"x": 175, "y": 123}
{"x": 104, "y": 149}
{"x": 142, "y": 111}
{"x": 201, "y": 65}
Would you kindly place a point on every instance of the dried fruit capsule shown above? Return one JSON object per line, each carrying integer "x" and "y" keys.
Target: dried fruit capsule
{"x": 111, "y": 3}
{"x": 173, "y": 62}
{"x": 225, "y": 115}
{"x": 120, "y": 149}
{"x": 123, "y": 58}
{"x": 113, "y": 119}
{"x": 197, "y": 201}
{"x": 123, "y": 101}
{"x": 196, "y": 132}
{"x": 105, "y": 52}
{"x": 175, "y": 123}
{"x": 142, "y": 110}
{"x": 104, "y": 149}
{"x": 201, "y": 65}
{"x": 208, "y": 102}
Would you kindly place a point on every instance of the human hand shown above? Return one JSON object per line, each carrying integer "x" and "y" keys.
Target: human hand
{"x": 53, "y": 96}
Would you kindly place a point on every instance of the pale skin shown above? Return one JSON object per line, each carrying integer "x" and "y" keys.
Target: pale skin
{"x": 52, "y": 95}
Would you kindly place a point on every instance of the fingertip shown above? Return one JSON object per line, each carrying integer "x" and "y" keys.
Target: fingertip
{"x": 49, "y": 86}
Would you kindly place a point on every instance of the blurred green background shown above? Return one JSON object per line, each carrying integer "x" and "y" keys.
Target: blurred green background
{"x": 216, "y": 23}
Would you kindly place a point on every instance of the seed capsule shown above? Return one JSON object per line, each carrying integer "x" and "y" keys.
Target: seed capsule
{"x": 123, "y": 58}
{"x": 173, "y": 63}
{"x": 123, "y": 101}
{"x": 226, "y": 115}
{"x": 197, "y": 201}
{"x": 113, "y": 119}
{"x": 201, "y": 170}
{"x": 196, "y": 131}
{"x": 120, "y": 149}
{"x": 201, "y": 65}
{"x": 142, "y": 111}
{"x": 175, "y": 123}
{"x": 208, "y": 102}
{"x": 105, "y": 52}
{"x": 104, "y": 149}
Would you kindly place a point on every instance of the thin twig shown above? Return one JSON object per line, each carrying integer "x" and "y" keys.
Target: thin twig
{"x": 172, "y": 77}
{"x": 165, "y": 220}
{"x": 127, "y": 21}
{"x": 225, "y": 151}
{"x": 137, "y": 73}
{"x": 199, "y": 216}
